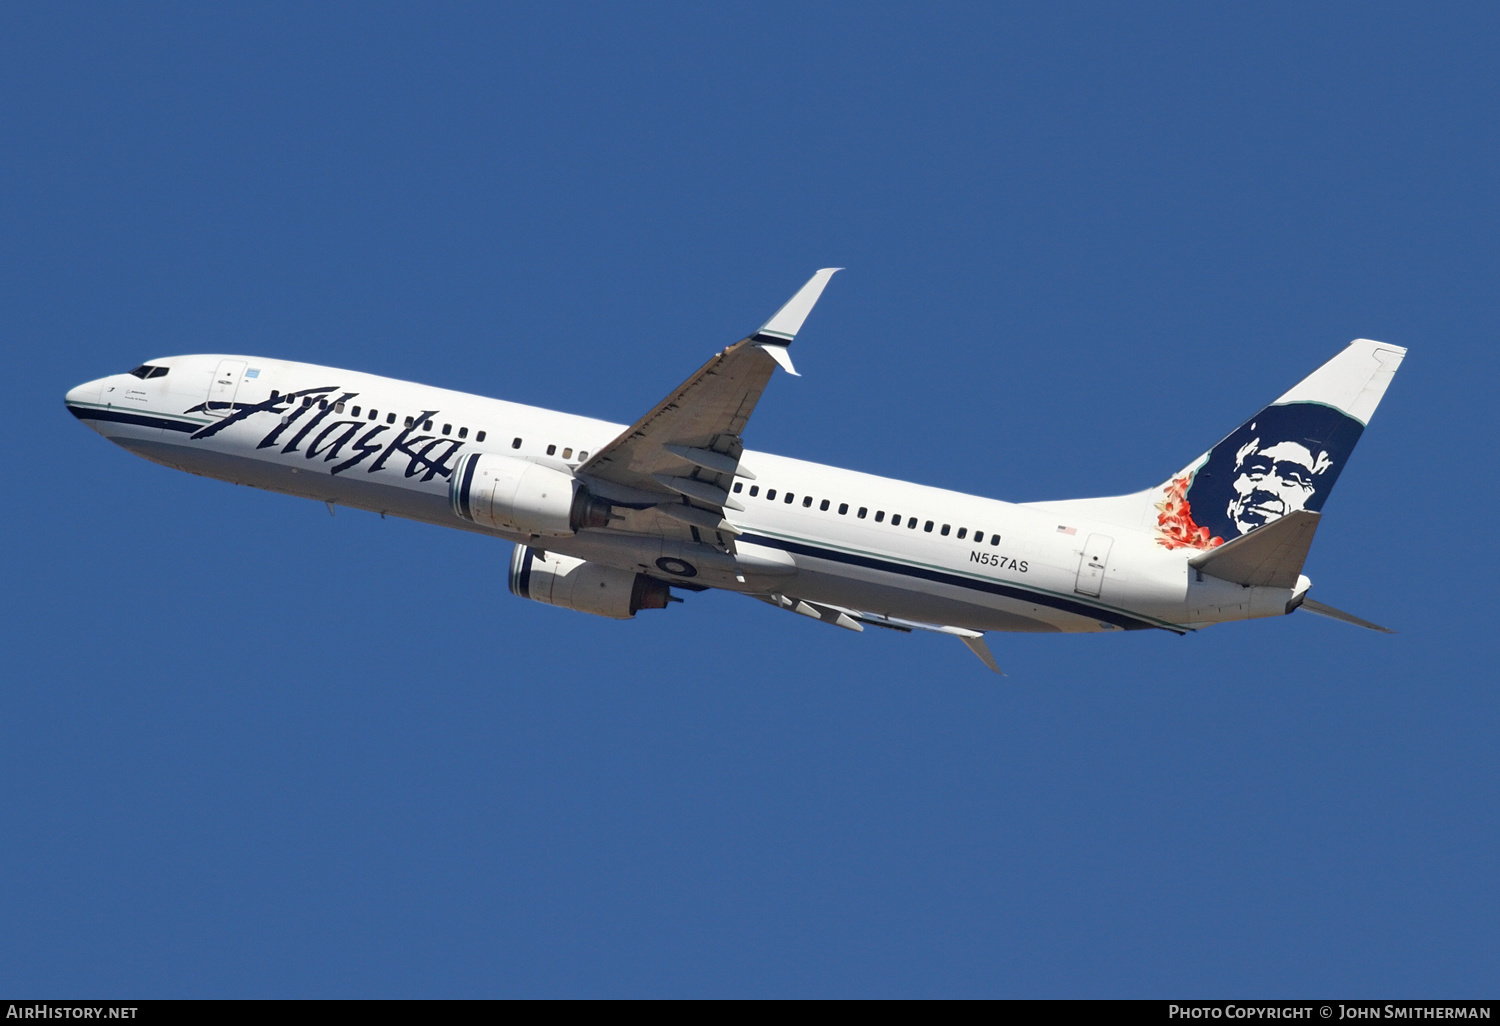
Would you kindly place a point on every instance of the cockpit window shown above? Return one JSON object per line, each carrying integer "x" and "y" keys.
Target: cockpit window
{"x": 145, "y": 371}
{"x": 159, "y": 372}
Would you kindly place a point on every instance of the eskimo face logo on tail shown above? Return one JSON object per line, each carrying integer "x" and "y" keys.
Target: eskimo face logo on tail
{"x": 1284, "y": 459}
{"x": 1272, "y": 481}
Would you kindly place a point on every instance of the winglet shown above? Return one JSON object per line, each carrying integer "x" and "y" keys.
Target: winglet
{"x": 777, "y": 352}
{"x": 978, "y": 647}
{"x": 786, "y": 322}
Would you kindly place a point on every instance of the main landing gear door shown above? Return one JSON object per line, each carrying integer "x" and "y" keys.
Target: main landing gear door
{"x": 222, "y": 389}
{"x": 1092, "y": 563}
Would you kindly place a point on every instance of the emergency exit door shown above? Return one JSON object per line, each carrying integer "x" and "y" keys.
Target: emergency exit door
{"x": 1092, "y": 563}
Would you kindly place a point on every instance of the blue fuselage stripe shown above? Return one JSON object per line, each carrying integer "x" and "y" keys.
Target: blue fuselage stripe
{"x": 126, "y": 417}
{"x": 1110, "y": 616}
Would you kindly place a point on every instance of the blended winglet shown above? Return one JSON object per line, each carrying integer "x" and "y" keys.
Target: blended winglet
{"x": 784, "y": 324}
{"x": 979, "y": 648}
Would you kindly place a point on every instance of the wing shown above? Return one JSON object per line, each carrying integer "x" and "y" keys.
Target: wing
{"x": 855, "y": 619}
{"x": 671, "y": 471}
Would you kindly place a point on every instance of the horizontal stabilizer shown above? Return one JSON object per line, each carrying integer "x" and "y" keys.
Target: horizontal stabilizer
{"x": 1314, "y": 606}
{"x": 1268, "y": 557}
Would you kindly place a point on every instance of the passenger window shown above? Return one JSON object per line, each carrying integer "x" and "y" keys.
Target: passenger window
{"x": 275, "y": 396}
{"x": 928, "y": 527}
{"x": 584, "y": 455}
{"x": 843, "y": 508}
{"x": 945, "y": 530}
{"x": 338, "y": 407}
{"x": 823, "y": 505}
{"x": 880, "y": 516}
{"x": 911, "y": 522}
{"x": 463, "y": 432}
{"x": 515, "y": 443}
{"x": 739, "y": 486}
{"x": 322, "y": 404}
{"x": 427, "y": 426}
{"x": 390, "y": 418}
{"x": 568, "y": 453}
{"x": 994, "y": 539}
{"x": 789, "y": 498}
{"x": 447, "y": 428}
{"x": 409, "y": 422}
{"x": 754, "y": 490}
{"x": 862, "y": 511}
{"x": 770, "y": 495}
{"x": 807, "y": 501}
{"x": 480, "y": 437}
{"x": 551, "y": 450}
{"x": 895, "y": 519}
{"x": 307, "y": 402}
{"x": 354, "y": 412}
{"x": 963, "y": 532}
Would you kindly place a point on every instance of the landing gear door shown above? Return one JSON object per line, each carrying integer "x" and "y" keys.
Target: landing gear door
{"x": 223, "y": 387}
{"x": 1092, "y": 563}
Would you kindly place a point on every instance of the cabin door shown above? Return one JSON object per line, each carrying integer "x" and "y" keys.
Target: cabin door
{"x": 223, "y": 386}
{"x": 1092, "y": 564}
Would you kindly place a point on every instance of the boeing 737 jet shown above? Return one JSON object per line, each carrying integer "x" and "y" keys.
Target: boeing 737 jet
{"x": 609, "y": 519}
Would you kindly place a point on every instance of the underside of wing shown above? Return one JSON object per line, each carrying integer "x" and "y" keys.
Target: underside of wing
{"x": 672, "y": 471}
{"x": 856, "y": 620}
{"x": 686, "y": 451}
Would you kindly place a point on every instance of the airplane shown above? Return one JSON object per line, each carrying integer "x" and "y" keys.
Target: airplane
{"x": 611, "y": 519}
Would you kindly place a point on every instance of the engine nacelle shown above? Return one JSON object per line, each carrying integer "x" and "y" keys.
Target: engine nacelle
{"x": 560, "y": 580}
{"x": 514, "y": 495}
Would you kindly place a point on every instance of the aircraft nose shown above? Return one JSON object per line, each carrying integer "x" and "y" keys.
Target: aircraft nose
{"x": 84, "y": 398}
{"x": 88, "y": 392}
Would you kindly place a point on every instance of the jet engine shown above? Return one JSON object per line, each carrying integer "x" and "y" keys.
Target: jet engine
{"x": 515, "y": 495}
{"x": 560, "y": 580}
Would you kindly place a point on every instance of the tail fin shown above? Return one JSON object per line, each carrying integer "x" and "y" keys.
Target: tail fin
{"x": 1285, "y": 458}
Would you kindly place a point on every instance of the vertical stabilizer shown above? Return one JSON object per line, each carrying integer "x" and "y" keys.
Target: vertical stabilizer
{"x": 1284, "y": 459}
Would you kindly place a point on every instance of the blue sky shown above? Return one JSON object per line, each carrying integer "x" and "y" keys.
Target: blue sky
{"x": 247, "y": 749}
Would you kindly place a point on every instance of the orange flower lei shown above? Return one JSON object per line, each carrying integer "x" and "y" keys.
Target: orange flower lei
{"x": 1174, "y": 521}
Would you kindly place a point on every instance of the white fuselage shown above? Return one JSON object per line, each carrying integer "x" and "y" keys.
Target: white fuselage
{"x": 840, "y": 537}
